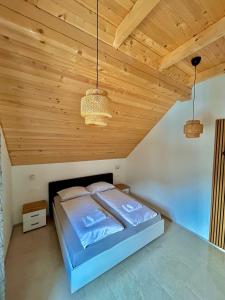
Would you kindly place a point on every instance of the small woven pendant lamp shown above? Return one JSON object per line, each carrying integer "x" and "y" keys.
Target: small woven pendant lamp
{"x": 193, "y": 128}
{"x": 95, "y": 106}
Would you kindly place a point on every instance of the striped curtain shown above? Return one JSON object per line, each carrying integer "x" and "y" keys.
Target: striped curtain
{"x": 217, "y": 223}
{"x": 2, "y": 269}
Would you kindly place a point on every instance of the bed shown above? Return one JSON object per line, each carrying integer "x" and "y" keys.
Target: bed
{"x": 83, "y": 266}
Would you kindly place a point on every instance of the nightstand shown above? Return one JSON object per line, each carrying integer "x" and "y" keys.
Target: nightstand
{"x": 123, "y": 187}
{"x": 34, "y": 215}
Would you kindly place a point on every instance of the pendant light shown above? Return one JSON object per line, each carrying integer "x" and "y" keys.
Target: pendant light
{"x": 193, "y": 128}
{"x": 95, "y": 106}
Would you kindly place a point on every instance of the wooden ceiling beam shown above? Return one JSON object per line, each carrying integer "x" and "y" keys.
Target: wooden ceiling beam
{"x": 160, "y": 50}
{"x": 137, "y": 14}
{"x": 201, "y": 40}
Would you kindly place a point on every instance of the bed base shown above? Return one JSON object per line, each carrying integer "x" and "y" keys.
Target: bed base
{"x": 93, "y": 268}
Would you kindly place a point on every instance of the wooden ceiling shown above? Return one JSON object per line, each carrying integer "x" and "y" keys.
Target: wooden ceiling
{"x": 47, "y": 61}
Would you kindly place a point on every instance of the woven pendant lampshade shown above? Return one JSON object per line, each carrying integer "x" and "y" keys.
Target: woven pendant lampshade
{"x": 193, "y": 128}
{"x": 95, "y": 107}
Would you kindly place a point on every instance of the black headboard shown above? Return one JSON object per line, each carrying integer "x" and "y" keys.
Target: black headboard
{"x": 55, "y": 186}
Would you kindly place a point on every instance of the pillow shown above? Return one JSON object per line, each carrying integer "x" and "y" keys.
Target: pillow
{"x": 73, "y": 192}
{"x": 100, "y": 186}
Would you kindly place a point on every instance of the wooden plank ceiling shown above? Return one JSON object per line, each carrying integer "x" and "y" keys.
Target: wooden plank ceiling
{"x": 47, "y": 61}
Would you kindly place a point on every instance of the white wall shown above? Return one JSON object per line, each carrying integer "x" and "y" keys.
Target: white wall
{"x": 7, "y": 195}
{"x": 26, "y": 189}
{"x": 175, "y": 173}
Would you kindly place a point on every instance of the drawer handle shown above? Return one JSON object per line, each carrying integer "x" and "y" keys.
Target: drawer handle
{"x": 35, "y": 216}
{"x": 35, "y": 224}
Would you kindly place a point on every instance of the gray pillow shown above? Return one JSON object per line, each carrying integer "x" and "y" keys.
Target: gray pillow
{"x": 100, "y": 186}
{"x": 73, "y": 192}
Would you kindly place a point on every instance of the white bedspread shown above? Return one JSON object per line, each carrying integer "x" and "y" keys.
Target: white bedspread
{"x": 125, "y": 206}
{"x": 89, "y": 220}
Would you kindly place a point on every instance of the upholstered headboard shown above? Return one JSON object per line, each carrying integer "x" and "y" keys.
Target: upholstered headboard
{"x": 55, "y": 186}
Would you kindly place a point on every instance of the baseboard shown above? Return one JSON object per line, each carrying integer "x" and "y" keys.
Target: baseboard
{"x": 171, "y": 220}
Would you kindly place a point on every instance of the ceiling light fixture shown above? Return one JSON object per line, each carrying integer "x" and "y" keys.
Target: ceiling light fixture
{"x": 95, "y": 106}
{"x": 193, "y": 128}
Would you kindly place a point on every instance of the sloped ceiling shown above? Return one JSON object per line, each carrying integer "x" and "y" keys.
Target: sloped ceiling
{"x": 47, "y": 61}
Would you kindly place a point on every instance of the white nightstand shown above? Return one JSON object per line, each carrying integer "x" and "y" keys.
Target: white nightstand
{"x": 123, "y": 187}
{"x": 34, "y": 215}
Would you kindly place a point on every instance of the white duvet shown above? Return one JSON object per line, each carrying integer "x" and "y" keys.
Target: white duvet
{"x": 125, "y": 207}
{"x": 89, "y": 220}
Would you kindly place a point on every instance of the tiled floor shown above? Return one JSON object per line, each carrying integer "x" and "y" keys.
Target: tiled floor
{"x": 178, "y": 265}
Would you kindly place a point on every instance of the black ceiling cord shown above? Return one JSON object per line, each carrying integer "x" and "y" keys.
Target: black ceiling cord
{"x": 195, "y": 61}
{"x": 194, "y": 95}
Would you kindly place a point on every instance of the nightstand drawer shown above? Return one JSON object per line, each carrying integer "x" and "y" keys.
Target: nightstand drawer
{"x": 34, "y": 220}
{"x": 34, "y": 215}
{"x": 27, "y": 226}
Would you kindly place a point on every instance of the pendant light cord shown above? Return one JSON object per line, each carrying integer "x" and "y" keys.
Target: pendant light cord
{"x": 97, "y": 51}
{"x": 194, "y": 94}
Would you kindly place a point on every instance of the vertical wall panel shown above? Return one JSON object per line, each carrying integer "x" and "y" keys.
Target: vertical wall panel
{"x": 217, "y": 225}
{"x": 2, "y": 268}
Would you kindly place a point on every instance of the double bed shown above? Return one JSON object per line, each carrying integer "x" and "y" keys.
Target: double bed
{"x": 84, "y": 264}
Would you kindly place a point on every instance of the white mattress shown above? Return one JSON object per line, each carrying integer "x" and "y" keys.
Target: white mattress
{"x": 77, "y": 253}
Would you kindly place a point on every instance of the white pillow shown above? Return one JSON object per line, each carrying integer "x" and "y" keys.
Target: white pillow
{"x": 100, "y": 186}
{"x": 73, "y": 192}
